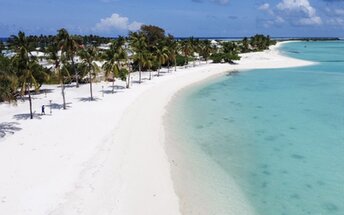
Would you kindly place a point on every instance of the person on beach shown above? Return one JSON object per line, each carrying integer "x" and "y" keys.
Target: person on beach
{"x": 43, "y": 110}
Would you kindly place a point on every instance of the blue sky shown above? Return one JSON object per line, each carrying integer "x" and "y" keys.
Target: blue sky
{"x": 178, "y": 17}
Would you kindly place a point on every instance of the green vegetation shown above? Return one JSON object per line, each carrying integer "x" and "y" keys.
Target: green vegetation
{"x": 30, "y": 61}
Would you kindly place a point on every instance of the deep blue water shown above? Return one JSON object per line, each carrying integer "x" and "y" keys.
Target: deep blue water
{"x": 279, "y": 133}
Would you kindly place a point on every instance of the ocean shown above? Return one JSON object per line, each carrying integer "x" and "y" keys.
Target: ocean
{"x": 263, "y": 142}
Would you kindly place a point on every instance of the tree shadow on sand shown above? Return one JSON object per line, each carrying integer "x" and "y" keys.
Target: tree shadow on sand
{"x": 88, "y": 99}
{"x": 26, "y": 116}
{"x": 44, "y": 91}
{"x": 55, "y": 106}
{"x": 137, "y": 82}
{"x": 8, "y": 128}
{"x": 113, "y": 90}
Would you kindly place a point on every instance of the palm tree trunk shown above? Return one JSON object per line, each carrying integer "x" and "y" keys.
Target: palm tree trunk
{"x": 63, "y": 94}
{"x": 175, "y": 64}
{"x": 150, "y": 74}
{"x": 186, "y": 61}
{"x": 113, "y": 85}
{"x": 159, "y": 70}
{"x": 139, "y": 73}
{"x": 76, "y": 73}
{"x": 128, "y": 83}
{"x": 90, "y": 77}
{"x": 30, "y": 101}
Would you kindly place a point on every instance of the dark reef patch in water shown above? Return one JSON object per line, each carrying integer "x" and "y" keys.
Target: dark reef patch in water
{"x": 330, "y": 207}
{"x": 298, "y": 157}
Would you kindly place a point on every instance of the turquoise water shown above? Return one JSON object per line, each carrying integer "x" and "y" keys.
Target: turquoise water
{"x": 279, "y": 133}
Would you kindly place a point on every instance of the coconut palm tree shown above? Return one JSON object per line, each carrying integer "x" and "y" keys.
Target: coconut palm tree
{"x": 148, "y": 62}
{"x": 139, "y": 46}
{"x": 173, "y": 52}
{"x": 61, "y": 71}
{"x": 111, "y": 66}
{"x": 26, "y": 65}
{"x": 161, "y": 54}
{"x": 118, "y": 54}
{"x": 206, "y": 49}
{"x": 194, "y": 47}
{"x": 88, "y": 56}
{"x": 187, "y": 50}
{"x": 69, "y": 45}
{"x": 8, "y": 80}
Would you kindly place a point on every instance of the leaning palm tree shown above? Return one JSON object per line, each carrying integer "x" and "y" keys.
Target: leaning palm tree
{"x": 139, "y": 46}
{"x": 88, "y": 56}
{"x": 26, "y": 65}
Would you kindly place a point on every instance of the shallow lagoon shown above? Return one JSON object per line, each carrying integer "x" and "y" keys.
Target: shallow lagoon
{"x": 277, "y": 134}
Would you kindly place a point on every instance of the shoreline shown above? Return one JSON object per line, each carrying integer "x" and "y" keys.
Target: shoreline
{"x": 109, "y": 157}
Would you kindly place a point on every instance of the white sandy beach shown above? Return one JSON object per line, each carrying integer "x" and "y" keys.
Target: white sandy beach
{"x": 102, "y": 157}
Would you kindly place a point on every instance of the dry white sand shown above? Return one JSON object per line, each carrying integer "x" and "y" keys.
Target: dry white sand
{"x": 101, "y": 157}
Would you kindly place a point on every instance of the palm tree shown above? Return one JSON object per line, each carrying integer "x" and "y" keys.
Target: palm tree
{"x": 57, "y": 60}
{"x": 173, "y": 52}
{"x": 111, "y": 66}
{"x": 148, "y": 62}
{"x": 161, "y": 54}
{"x": 186, "y": 49}
{"x": 194, "y": 46}
{"x": 8, "y": 80}
{"x": 26, "y": 66}
{"x": 139, "y": 46}
{"x": 69, "y": 45}
{"x": 113, "y": 58}
{"x": 88, "y": 56}
{"x": 206, "y": 49}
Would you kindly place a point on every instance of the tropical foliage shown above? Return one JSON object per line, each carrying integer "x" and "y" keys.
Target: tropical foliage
{"x": 27, "y": 62}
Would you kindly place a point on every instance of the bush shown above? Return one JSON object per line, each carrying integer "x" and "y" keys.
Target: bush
{"x": 229, "y": 57}
{"x": 123, "y": 74}
{"x": 217, "y": 58}
{"x": 181, "y": 60}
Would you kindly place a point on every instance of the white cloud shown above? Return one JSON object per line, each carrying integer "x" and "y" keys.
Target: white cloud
{"x": 335, "y": 17}
{"x": 117, "y": 22}
{"x": 337, "y": 21}
{"x": 264, "y": 7}
{"x": 315, "y": 20}
{"x": 297, "y": 5}
{"x": 300, "y": 6}
{"x": 295, "y": 12}
{"x": 339, "y": 12}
